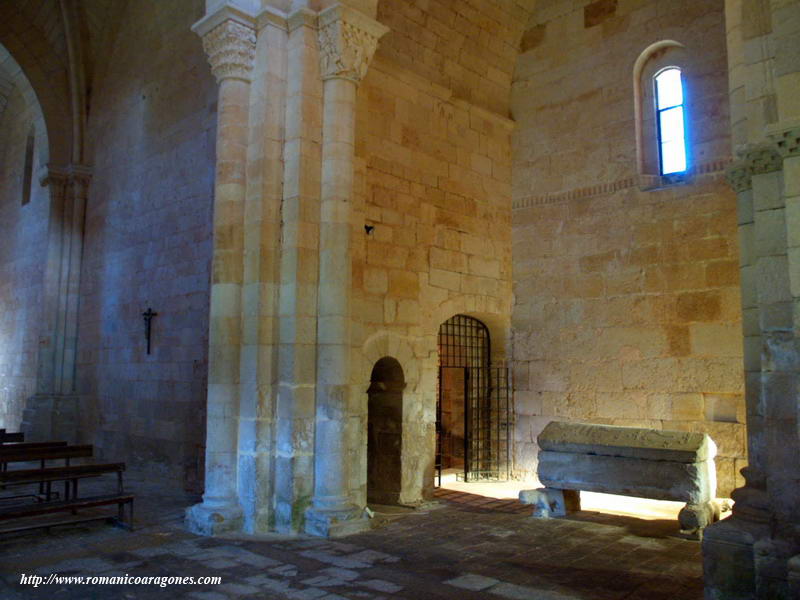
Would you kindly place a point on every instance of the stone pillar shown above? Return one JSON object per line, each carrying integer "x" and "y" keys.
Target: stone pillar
{"x": 229, "y": 41}
{"x": 53, "y": 412}
{"x": 262, "y": 223}
{"x": 294, "y": 453}
{"x": 348, "y": 40}
{"x": 754, "y": 553}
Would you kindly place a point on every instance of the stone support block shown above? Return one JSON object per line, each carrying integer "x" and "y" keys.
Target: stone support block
{"x": 550, "y": 502}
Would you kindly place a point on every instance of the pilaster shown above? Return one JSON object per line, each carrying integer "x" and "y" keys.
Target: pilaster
{"x": 294, "y": 453}
{"x": 53, "y": 412}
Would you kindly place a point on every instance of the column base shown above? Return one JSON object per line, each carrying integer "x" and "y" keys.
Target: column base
{"x": 729, "y": 569}
{"x": 336, "y": 523}
{"x": 211, "y": 520}
{"x": 51, "y": 417}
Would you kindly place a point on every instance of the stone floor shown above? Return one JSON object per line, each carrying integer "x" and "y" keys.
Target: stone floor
{"x": 465, "y": 547}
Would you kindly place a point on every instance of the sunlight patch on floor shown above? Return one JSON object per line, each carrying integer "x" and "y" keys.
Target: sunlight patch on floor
{"x": 642, "y": 508}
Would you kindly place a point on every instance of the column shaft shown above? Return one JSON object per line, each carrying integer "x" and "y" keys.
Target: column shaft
{"x": 224, "y": 330}
{"x": 331, "y": 488}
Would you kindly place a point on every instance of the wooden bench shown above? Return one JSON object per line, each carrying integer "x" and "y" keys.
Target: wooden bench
{"x": 20, "y": 511}
{"x": 6, "y": 437}
{"x": 46, "y": 475}
{"x": 42, "y": 454}
{"x": 12, "y": 453}
{"x": 66, "y": 474}
{"x": 31, "y": 445}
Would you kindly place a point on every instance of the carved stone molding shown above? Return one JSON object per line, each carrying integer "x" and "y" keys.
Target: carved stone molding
{"x": 302, "y": 18}
{"x": 231, "y": 48}
{"x": 75, "y": 178}
{"x": 787, "y": 142}
{"x": 347, "y": 40}
{"x": 739, "y": 176}
{"x": 763, "y": 158}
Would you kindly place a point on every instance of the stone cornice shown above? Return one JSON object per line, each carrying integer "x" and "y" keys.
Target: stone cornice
{"x": 759, "y": 159}
{"x": 271, "y": 16}
{"x": 704, "y": 173}
{"x": 226, "y": 13}
{"x": 302, "y": 18}
{"x": 763, "y": 158}
{"x": 786, "y": 137}
{"x": 347, "y": 39}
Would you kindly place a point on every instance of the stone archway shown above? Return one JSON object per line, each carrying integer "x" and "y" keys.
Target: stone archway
{"x": 385, "y": 432}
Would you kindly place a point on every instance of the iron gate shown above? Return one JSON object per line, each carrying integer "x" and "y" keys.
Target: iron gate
{"x": 464, "y": 350}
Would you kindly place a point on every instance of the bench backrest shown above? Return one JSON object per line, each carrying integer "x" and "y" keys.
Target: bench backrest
{"x": 51, "y": 453}
{"x": 32, "y": 445}
{"x": 59, "y": 473}
{"x": 17, "y": 436}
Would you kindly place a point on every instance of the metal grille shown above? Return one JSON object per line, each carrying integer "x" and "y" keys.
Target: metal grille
{"x": 464, "y": 344}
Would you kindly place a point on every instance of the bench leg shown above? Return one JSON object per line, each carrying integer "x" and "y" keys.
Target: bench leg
{"x": 120, "y": 518}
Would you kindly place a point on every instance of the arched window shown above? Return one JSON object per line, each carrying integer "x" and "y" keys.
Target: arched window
{"x": 663, "y": 132}
{"x": 671, "y": 121}
{"x": 27, "y": 173}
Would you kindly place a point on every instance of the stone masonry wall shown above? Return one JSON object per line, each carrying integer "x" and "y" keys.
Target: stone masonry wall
{"x": 148, "y": 244}
{"x": 626, "y": 301}
{"x": 433, "y": 179}
{"x": 22, "y": 248}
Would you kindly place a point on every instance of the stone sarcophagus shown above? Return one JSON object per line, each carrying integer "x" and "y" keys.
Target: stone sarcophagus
{"x": 647, "y": 463}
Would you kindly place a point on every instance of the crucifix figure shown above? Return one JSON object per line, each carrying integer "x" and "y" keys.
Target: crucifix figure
{"x": 148, "y": 318}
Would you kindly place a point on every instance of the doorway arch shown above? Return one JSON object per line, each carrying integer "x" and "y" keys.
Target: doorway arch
{"x": 385, "y": 432}
{"x": 473, "y": 404}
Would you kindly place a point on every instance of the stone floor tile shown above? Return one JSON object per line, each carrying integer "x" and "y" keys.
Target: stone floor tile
{"x": 470, "y": 581}
{"x": 208, "y": 596}
{"x": 220, "y": 563}
{"x": 379, "y": 585}
{"x": 238, "y": 589}
{"x": 339, "y": 573}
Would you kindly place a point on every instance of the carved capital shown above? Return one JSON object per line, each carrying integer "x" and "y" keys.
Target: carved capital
{"x": 347, "y": 40}
{"x": 74, "y": 179}
{"x": 231, "y": 48}
{"x": 55, "y": 178}
{"x": 763, "y": 158}
{"x": 739, "y": 176}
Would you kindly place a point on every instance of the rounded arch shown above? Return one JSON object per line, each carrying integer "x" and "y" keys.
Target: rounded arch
{"x": 12, "y": 74}
{"x": 388, "y": 374}
{"x": 47, "y": 90}
{"x": 654, "y": 58}
{"x": 492, "y": 312}
{"x": 386, "y": 344}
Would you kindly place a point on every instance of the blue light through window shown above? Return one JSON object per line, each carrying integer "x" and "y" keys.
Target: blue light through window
{"x": 671, "y": 123}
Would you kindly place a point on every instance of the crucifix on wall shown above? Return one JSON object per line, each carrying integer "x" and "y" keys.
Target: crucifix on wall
{"x": 148, "y": 319}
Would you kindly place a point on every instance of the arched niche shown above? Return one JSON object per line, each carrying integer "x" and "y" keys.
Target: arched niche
{"x": 385, "y": 432}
